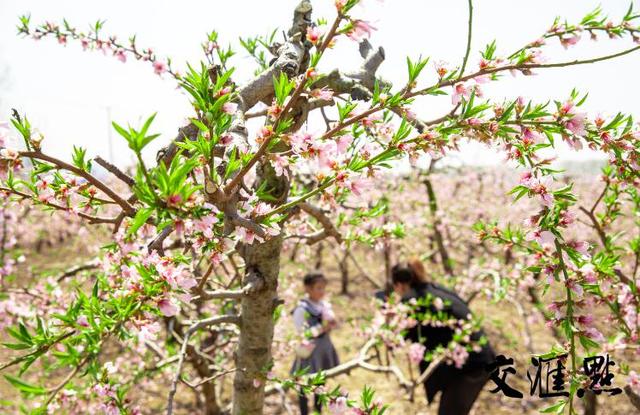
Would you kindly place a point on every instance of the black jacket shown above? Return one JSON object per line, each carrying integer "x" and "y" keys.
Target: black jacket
{"x": 432, "y": 337}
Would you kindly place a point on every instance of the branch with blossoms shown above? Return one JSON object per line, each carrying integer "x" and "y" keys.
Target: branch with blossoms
{"x": 559, "y": 258}
{"x": 94, "y": 40}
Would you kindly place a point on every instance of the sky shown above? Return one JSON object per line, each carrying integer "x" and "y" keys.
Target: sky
{"x": 71, "y": 96}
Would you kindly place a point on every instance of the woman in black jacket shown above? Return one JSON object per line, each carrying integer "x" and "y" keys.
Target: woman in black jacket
{"x": 460, "y": 386}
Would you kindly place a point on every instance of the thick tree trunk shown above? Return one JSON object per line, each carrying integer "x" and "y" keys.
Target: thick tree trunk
{"x": 253, "y": 356}
{"x": 262, "y": 260}
{"x": 262, "y": 266}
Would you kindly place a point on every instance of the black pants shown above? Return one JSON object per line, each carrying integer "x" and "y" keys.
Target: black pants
{"x": 461, "y": 391}
{"x": 304, "y": 403}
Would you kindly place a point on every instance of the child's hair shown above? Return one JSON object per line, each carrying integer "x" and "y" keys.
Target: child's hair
{"x": 313, "y": 277}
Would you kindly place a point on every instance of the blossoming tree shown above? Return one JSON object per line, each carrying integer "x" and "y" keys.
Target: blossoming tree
{"x": 198, "y": 238}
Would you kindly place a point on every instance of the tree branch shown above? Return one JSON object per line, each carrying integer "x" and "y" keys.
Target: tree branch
{"x": 128, "y": 180}
{"x": 183, "y": 350}
{"x": 469, "y": 32}
{"x": 85, "y": 175}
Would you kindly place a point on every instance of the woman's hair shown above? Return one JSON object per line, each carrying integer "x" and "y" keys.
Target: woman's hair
{"x": 412, "y": 273}
{"x": 313, "y": 277}
{"x": 418, "y": 269}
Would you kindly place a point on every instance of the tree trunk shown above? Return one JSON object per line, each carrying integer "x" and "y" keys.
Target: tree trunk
{"x": 590, "y": 403}
{"x": 319, "y": 252}
{"x": 388, "y": 285}
{"x": 262, "y": 267}
{"x": 344, "y": 274}
{"x": 253, "y": 356}
{"x": 211, "y": 406}
{"x": 433, "y": 208}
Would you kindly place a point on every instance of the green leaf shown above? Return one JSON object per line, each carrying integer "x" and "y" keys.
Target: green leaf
{"x": 25, "y": 387}
{"x": 557, "y": 408}
{"x": 122, "y": 131}
{"x": 16, "y": 346}
{"x": 140, "y": 219}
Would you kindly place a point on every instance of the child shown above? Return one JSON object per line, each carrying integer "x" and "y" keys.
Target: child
{"x": 314, "y": 319}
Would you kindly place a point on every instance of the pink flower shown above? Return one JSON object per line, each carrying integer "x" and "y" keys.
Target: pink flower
{"x": 159, "y": 67}
{"x": 185, "y": 281}
{"x": 300, "y": 142}
{"x": 577, "y": 124}
{"x": 585, "y": 320}
{"x": 340, "y": 4}
{"x": 589, "y": 273}
{"x": 409, "y": 114}
{"x": 482, "y": 79}
{"x": 82, "y": 321}
{"x": 226, "y": 139}
{"x": 575, "y": 287}
{"x": 338, "y": 406}
{"x": 460, "y": 90}
{"x": 530, "y": 137}
{"x": 525, "y": 178}
{"x": 323, "y": 93}
{"x": 371, "y": 119}
{"x": 567, "y": 218}
{"x": 541, "y": 237}
{"x": 247, "y": 236}
{"x": 229, "y": 107}
{"x": 539, "y": 187}
{"x": 595, "y": 334}
{"x": 42, "y": 184}
{"x": 168, "y": 307}
{"x": 474, "y": 122}
{"x": 634, "y": 381}
{"x": 358, "y": 185}
{"x": 46, "y": 196}
{"x": 580, "y": 246}
{"x": 120, "y": 55}
{"x": 314, "y": 34}
{"x": 148, "y": 332}
{"x": 174, "y": 200}
{"x": 459, "y": 356}
{"x": 109, "y": 408}
{"x": 556, "y": 309}
{"x": 416, "y": 352}
{"x": 257, "y": 383}
{"x": 441, "y": 68}
{"x": 531, "y": 221}
{"x": 569, "y": 41}
{"x": 210, "y": 46}
{"x": 327, "y": 152}
{"x": 343, "y": 143}
{"x": 360, "y": 30}
{"x": 261, "y": 209}
{"x": 280, "y": 165}
{"x": 103, "y": 390}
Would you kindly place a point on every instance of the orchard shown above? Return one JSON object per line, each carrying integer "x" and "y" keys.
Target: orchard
{"x": 173, "y": 285}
